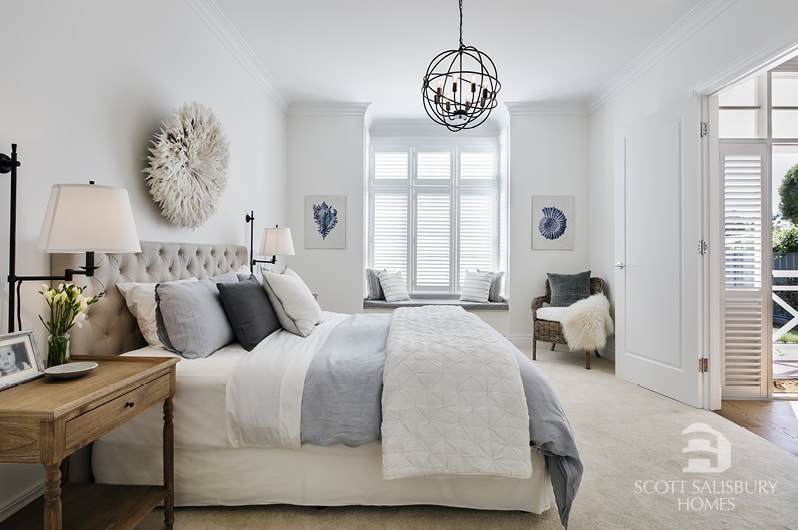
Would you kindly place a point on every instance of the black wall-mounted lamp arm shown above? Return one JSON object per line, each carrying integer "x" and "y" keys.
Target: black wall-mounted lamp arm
{"x": 250, "y": 217}
{"x": 9, "y": 164}
{"x": 88, "y": 271}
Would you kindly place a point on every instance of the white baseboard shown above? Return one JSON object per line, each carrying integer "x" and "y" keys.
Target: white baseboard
{"x": 13, "y": 505}
{"x": 520, "y": 340}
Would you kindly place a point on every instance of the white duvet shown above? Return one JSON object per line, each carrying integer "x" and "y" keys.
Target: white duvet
{"x": 453, "y": 401}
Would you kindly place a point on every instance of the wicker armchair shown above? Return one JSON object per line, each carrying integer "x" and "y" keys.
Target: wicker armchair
{"x": 551, "y": 331}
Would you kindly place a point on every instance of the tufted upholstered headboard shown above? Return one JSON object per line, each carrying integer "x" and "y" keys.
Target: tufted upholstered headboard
{"x": 110, "y": 329}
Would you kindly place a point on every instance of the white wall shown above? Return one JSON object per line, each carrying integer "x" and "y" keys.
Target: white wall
{"x": 743, "y": 35}
{"x": 86, "y": 85}
{"x": 548, "y": 156}
{"x": 326, "y": 157}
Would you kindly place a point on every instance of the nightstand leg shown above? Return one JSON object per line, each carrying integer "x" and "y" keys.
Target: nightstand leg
{"x": 168, "y": 463}
{"x": 52, "y": 496}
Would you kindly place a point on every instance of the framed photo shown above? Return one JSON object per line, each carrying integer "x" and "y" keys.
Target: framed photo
{"x": 325, "y": 221}
{"x": 552, "y": 222}
{"x": 19, "y": 359}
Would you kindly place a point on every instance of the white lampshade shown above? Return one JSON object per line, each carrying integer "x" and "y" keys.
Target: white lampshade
{"x": 277, "y": 242}
{"x": 88, "y": 218}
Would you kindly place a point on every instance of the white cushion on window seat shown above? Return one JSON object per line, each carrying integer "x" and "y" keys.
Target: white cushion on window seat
{"x": 553, "y": 314}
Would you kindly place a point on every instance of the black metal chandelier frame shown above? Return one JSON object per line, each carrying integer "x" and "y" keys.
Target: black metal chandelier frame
{"x": 460, "y": 87}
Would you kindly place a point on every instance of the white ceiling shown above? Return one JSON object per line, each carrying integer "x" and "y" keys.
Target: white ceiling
{"x": 546, "y": 51}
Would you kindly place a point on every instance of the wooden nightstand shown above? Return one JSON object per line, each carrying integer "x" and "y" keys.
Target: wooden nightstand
{"x": 45, "y": 420}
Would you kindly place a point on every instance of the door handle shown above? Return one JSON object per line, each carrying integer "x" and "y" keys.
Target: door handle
{"x": 620, "y": 265}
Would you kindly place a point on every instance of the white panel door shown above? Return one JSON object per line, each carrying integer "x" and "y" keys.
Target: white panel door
{"x": 658, "y": 275}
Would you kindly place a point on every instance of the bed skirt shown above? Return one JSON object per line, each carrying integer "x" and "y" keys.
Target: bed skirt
{"x": 312, "y": 476}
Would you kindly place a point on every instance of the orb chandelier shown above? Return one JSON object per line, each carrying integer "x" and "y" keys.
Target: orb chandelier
{"x": 460, "y": 86}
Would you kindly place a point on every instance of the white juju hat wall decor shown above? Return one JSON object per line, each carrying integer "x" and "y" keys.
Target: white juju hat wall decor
{"x": 188, "y": 165}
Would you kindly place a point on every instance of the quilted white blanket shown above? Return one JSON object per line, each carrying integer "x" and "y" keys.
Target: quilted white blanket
{"x": 453, "y": 401}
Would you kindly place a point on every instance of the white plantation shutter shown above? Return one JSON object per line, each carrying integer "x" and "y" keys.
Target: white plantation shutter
{"x": 477, "y": 232}
{"x": 434, "y": 165}
{"x": 746, "y": 312}
{"x": 435, "y": 212}
{"x": 389, "y": 240}
{"x": 433, "y": 242}
{"x": 388, "y": 165}
{"x": 478, "y": 165}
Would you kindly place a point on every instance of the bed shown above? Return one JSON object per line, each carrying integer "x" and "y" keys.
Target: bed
{"x": 315, "y": 461}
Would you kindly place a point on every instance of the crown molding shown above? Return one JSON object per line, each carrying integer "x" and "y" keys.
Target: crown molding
{"x": 213, "y": 17}
{"x": 553, "y": 108}
{"x": 689, "y": 24}
{"x": 332, "y": 108}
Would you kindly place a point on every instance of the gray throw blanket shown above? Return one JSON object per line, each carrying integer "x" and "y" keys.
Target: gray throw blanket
{"x": 341, "y": 403}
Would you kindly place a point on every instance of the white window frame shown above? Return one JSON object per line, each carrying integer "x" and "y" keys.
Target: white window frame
{"x": 454, "y": 187}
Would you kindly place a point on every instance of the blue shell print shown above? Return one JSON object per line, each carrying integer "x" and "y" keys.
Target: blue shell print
{"x": 553, "y": 224}
{"x": 326, "y": 218}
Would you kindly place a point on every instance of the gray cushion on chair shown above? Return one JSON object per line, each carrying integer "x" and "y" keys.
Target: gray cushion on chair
{"x": 568, "y": 288}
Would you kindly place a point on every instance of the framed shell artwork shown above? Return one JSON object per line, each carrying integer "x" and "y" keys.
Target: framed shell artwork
{"x": 325, "y": 221}
{"x": 552, "y": 222}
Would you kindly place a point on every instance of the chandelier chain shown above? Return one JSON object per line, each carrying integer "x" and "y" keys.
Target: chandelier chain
{"x": 461, "y": 23}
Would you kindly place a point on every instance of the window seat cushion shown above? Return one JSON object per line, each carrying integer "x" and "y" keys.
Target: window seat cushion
{"x": 502, "y": 305}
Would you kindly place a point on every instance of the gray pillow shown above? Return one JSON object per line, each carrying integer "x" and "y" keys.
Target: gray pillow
{"x": 249, "y": 311}
{"x": 190, "y": 317}
{"x": 373, "y": 287}
{"x": 495, "y": 294}
{"x": 568, "y": 288}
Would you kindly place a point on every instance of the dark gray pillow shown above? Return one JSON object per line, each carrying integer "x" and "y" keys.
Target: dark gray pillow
{"x": 373, "y": 287}
{"x": 568, "y": 288}
{"x": 249, "y": 311}
{"x": 190, "y": 317}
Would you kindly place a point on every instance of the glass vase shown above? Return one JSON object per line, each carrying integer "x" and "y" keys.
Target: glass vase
{"x": 57, "y": 349}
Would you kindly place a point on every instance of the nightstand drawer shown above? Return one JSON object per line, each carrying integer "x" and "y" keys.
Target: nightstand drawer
{"x": 102, "y": 419}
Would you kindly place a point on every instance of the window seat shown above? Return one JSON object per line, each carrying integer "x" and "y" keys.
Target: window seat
{"x": 417, "y": 302}
{"x": 496, "y": 314}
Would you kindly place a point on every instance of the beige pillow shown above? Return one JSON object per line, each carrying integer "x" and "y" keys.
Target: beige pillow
{"x": 140, "y": 300}
{"x": 296, "y": 307}
{"x": 476, "y": 286}
{"x": 393, "y": 286}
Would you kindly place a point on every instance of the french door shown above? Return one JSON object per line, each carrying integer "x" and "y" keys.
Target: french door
{"x": 744, "y": 268}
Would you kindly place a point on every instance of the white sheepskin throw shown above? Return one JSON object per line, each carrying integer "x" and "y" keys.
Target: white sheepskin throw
{"x": 188, "y": 165}
{"x": 586, "y": 324}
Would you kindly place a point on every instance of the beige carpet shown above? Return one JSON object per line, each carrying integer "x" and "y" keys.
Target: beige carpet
{"x": 631, "y": 442}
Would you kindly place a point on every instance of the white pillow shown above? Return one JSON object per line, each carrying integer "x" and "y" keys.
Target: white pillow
{"x": 140, "y": 300}
{"x": 296, "y": 307}
{"x": 476, "y": 286}
{"x": 393, "y": 286}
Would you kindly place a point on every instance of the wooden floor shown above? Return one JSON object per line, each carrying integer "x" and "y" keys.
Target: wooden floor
{"x": 772, "y": 420}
